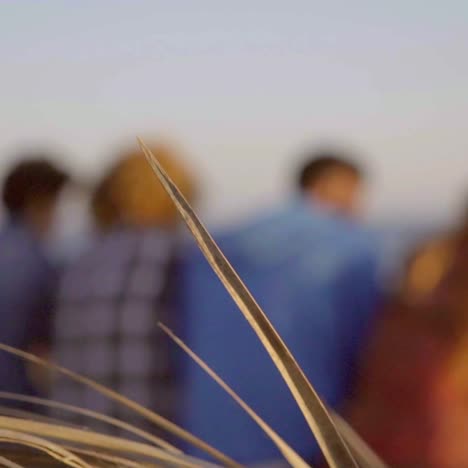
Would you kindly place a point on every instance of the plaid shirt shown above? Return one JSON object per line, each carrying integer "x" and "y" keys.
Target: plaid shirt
{"x": 109, "y": 305}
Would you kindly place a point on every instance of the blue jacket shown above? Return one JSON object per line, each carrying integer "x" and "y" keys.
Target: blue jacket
{"x": 315, "y": 278}
{"x": 26, "y": 288}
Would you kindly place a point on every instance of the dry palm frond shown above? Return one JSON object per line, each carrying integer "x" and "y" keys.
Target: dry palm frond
{"x": 91, "y": 414}
{"x": 289, "y": 454}
{"x": 150, "y": 415}
{"x": 96, "y": 440}
{"x": 54, "y": 450}
{"x": 316, "y": 414}
{"x": 364, "y": 455}
{"x": 30, "y": 415}
{"x": 105, "y": 457}
{"x": 4, "y": 462}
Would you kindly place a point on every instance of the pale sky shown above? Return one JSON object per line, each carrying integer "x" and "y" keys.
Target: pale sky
{"x": 244, "y": 85}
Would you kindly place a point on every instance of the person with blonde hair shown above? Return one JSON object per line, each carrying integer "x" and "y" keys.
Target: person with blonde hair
{"x": 130, "y": 193}
{"x": 113, "y": 297}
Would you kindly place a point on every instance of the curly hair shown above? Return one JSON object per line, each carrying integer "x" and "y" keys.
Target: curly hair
{"x": 130, "y": 193}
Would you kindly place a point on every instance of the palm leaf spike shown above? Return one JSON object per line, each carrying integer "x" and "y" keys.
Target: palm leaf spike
{"x": 137, "y": 408}
{"x": 289, "y": 454}
{"x": 335, "y": 450}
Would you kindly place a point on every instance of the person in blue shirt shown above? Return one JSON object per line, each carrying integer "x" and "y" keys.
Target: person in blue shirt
{"x": 29, "y": 194}
{"x": 313, "y": 270}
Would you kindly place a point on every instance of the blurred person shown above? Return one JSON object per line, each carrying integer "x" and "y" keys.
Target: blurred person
{"x": 313, "y": 270}
{"x": 113, "y": 296}
{"x": 419, "y": 354}
{"x": 27, "y": 277}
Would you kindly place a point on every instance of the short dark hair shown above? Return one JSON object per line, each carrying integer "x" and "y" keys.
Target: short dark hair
{"x": 31, "y": 178}
{"x": 318, "y": 163}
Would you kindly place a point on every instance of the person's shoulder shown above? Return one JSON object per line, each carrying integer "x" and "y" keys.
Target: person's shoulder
{"x": 285, "y": 231}
{"x": 14, "y": 236}
{"x": 22, "y": 252}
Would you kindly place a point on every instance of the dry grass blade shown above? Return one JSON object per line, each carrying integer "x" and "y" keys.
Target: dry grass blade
{"x": 118, "y": 461}
{"x": 5, "y": 463}
{"x": 150, "y": 415}
{"x": 97, "y": 440}
{"x": 328, "y": 437}
{"x": 54, "y": 450}
{"x": 91, "y": 414}
{"x": 289, "y": 454}
{"x": 23, "y": 414}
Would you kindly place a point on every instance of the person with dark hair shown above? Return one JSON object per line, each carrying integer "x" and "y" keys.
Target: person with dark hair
{"x": 29, "y": 194}
{"x": 333, "y": 181}
{"x": 314, "y": 272}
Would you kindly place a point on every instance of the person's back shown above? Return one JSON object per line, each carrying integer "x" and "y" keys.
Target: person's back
{"x": 112, "y": 298}
{"x": 108, "y": 308}
{"x": 314, "y": 276}
{"x": 26, "y": 277}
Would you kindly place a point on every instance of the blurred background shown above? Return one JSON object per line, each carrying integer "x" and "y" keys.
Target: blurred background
{"x": 244, "y": 88}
